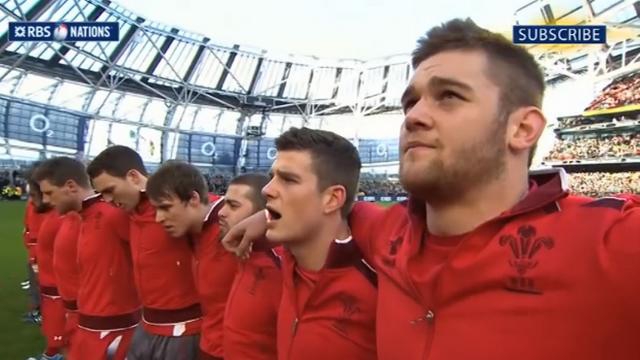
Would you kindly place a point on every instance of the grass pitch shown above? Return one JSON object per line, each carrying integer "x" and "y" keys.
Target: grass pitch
{"x": 17, "y": 339}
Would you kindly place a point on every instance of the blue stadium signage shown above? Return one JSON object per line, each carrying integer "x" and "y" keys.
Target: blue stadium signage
{"x": 559, "y": 34}
{"x": 63, "y": 31}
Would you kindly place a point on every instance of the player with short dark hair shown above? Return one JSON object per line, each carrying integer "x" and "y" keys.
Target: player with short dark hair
{"x": 92, "y": 263}
{"x": 250, "y": 320}
{"x": 329, "y": 291}
{"x": 486, "y": 260}
{"x": 185, "y": 209}
{"x": 172, "y": 316}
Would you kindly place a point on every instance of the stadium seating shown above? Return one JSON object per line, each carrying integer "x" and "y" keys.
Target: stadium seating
{"x": 621, "y": 92}
{"x": 603, "y": 184}
{"x": 604, "y": 146}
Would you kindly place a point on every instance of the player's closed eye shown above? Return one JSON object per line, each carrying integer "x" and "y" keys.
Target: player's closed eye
{"x": 288, "y": 180}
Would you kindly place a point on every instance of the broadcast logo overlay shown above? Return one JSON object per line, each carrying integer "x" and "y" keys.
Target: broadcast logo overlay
{"x": 559, "y": 34}
{"x": 63, "y": 31}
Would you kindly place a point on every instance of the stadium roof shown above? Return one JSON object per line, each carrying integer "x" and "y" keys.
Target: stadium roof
{"x": 179, "y": 66}
{"x": 598, "y": 62}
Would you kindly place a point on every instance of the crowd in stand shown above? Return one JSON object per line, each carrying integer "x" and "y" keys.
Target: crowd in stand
{"x": 615, "y": 146}
{"x": 570, "y": 122}
{"x": 218, "y": 183}
{"x": 623, "y": 91}
{"x": 381, "y": 187}
{"x": 599, "y": 184}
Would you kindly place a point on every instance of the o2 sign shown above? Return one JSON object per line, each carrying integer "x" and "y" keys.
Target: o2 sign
{"x": 271, "y": 153}
{"x": 40, "y": 124}
{"x": 382, "y": 150}
{"x": 208, "y": 149}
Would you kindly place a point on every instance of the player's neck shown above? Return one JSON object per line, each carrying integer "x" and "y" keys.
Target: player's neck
{"x": 311, "y": 254}
{"x": 83, "y": 195}
{"x": 476, "y": 206}
{"x": 198, "y": 223}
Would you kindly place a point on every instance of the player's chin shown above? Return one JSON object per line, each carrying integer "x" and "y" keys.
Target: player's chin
{"x": 175, "y": 232}
{"x": 124, "y": 206}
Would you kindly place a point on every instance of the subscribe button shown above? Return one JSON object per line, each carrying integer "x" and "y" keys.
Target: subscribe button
{"x": 559, "y": 34}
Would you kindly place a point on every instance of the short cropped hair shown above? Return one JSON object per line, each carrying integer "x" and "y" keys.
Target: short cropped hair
{"x": 335, "y": 159}
{"x": 256, "y": 182}
{"x": 116, "y": 161}
{"x": 59, "y": 170}
{"x": 179, "y": 179}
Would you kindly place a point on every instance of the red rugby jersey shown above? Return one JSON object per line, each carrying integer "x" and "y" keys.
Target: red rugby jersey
{"x": 555, "y": 277}
{"x": 107, "y": 297}
{"x": 329, "y": 314}
{"x": 215, "y": 271}
{"x": 32, "y": 222}
{"x": 250, "y": 321}
{"x": 46, "y": 240}
{"x": 65, "y": 259}
{"x": 163, "y": 269}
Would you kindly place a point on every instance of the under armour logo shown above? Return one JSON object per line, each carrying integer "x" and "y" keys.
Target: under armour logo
{"x": 57, "y": 338}
{"x": 349, "y": 309}
{"x": 258, "y": 276}
{"x": 523, "y": 249}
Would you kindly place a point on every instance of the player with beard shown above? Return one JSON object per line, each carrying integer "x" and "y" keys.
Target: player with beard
{"x": 92, "y": 263}
{"x": 163, "y": 266}
{"x": 184, "y": 208}
{"x": 252, "y": 308}
{"x": 486, "y": 261}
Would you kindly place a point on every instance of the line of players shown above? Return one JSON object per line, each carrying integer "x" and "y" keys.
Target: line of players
{"x": 149, "y": 279}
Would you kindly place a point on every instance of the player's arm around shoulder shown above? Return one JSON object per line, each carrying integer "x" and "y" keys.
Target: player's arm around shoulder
{"x": 366, "y": 220}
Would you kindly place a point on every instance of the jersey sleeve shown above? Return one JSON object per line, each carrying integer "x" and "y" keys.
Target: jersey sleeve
{"x": 622, "y": 245}
{"x": 365, "y": 220}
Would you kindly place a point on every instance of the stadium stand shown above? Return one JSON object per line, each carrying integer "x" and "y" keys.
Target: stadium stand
{"x": 602, "y": 146}
{"x": 600, "y": 184}
{"x": 623, "y": 91}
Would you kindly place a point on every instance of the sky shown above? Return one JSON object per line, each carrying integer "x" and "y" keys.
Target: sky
{"x": 360, "y": 29}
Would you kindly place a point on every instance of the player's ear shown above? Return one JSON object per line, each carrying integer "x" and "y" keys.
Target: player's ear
{"x": 134, "y": 176}
{"x": 524, "y": 127}
{"x": 70, "y": 185}
{"x": 194, "y": 200}
{"x": 334, "y": 198}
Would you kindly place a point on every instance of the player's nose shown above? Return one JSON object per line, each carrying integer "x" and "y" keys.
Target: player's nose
{"x": 269, "y": 191}
{"x": 419, "y": 117}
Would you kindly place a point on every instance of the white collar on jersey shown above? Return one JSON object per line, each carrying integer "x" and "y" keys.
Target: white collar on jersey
{"x": 210, "y": 211}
